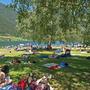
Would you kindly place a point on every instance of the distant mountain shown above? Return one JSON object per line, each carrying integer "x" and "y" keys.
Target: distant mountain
{"x": 7, "y": 20}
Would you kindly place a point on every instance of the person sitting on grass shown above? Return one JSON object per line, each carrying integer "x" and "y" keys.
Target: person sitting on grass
{"x": 15, "y": 61}
{"x": 66, "y": 54}
{"x": 25, "y": 57}
{"x": 49, "y": 47}
{"x": 53, "y": 55}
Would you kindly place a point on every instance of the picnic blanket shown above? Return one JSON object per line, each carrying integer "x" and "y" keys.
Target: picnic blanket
{"x": 52, "y": 66}
{"x": 49, "y": 65}
{"x": 53, "y": 56}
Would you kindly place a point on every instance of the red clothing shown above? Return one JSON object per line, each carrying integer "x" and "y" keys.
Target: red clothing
{"x": 54, "y": 67}
{"x": 22, "y": 84}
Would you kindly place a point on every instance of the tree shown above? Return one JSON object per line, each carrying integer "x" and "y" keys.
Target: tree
{"x": 50, "y": 20}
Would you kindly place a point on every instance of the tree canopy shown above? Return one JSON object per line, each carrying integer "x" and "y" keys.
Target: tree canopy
{"x": 50, "y": 20}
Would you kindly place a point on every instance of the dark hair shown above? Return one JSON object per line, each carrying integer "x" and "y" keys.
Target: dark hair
{"x": 5, "y": 69}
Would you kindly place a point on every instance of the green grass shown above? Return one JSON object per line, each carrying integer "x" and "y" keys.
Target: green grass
{"x": 11, "y": 38}
{"x": 75, "y": 77}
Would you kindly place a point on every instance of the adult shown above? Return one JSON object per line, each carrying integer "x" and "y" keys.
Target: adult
{"x": 49, "y": 47}
{"x": 5, "y": 82}
{"x": 2, "y": 79}
{"x": 5, "y": 69}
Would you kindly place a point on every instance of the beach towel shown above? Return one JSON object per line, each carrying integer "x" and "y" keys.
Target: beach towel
{"x": 49, "y": 65}
{"x": 52, "y": 66}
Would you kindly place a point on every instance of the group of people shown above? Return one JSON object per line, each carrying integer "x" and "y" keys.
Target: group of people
{"x": 23, "y": 60}
{"x": 32, "y": 83}
{"x": 57, "y": 54}
{"x": 26, "y": 82}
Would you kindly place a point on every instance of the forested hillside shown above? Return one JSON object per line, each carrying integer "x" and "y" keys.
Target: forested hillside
{"x": 7, "y": 20}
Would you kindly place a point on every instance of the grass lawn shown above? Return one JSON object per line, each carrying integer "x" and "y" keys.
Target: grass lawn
{"x": 74, "y": 77}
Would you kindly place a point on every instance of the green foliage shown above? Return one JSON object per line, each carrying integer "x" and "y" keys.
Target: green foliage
{"x": 50, "y": 20}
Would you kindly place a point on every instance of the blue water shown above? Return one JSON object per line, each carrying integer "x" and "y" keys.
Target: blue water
{"x": 15, "y": 43}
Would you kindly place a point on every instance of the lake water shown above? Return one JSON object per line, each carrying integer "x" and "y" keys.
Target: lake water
{"x": 15, "y": 43}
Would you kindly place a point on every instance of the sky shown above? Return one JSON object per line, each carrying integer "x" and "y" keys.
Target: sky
{"x": 5, "y": 1}
{"x": 9, "y": 1}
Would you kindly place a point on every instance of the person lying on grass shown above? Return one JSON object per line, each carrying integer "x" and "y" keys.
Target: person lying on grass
{"x": 15, "y": 61}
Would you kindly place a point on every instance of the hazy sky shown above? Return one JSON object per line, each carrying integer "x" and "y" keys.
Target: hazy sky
{"x": 5, "y": 1}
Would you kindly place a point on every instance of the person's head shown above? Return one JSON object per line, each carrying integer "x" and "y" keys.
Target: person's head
{"x": 44, "y": 80}
{"x": 5, "y": 69}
